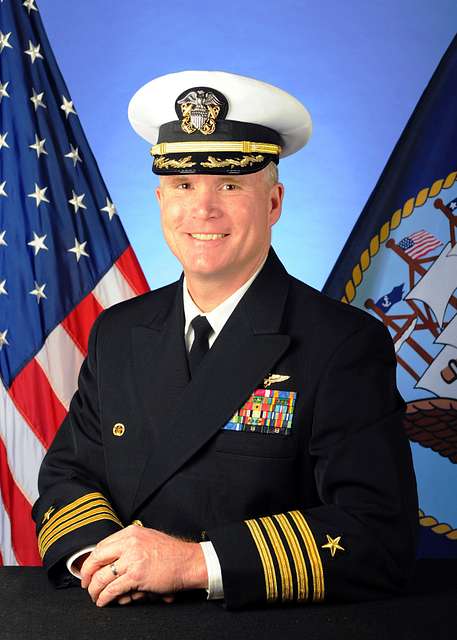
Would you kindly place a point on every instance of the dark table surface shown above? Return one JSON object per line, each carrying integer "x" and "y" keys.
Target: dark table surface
{"x": 31, "y": 608}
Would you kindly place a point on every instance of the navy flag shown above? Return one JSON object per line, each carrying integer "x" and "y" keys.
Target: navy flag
{"x": 64, "y": 257}
{"x": 407, "y": 232}
{"x": 386, "y": 302}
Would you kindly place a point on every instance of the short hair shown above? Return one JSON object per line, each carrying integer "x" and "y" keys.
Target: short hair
{"x": 272, "y": 173}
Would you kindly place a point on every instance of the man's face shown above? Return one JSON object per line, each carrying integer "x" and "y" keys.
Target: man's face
{"x": 219, "y": 226}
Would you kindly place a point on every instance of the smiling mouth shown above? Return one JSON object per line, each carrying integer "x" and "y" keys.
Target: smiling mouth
{"x": 208, "y": 236}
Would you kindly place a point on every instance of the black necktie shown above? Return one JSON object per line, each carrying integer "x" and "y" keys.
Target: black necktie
{"x": 200, "y": 346}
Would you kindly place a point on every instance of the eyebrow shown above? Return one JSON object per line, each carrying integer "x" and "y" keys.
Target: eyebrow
{"x": 187, "y": 177}
{"x": 229, "y": 178}
{"x": 174, "y": 179}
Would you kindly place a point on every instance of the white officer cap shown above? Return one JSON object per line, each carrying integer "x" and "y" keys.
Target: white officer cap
{"x": 215, "y": 122}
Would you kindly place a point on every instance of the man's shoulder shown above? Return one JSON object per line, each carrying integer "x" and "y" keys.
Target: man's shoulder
{"x": 143, "y": 309}
{"x": 331, "y": 315}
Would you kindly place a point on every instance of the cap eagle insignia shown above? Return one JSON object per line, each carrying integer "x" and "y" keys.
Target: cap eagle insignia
{"x": 200, "y": 110}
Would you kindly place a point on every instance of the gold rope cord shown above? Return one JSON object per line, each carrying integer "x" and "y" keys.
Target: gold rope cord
{"x": 384, "y": 233}
{"x": 441, "y": 528}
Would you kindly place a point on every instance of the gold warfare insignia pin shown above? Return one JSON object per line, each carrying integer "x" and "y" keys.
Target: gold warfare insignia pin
{"x": 274, "y": 378}
{"x": 199, "y": 108}
{"x": 333, "y": 545}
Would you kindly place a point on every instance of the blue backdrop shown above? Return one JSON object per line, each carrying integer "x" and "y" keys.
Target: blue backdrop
{"x": 359, "y": 67}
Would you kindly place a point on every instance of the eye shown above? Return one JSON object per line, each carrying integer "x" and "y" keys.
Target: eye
{"x": 183, "y": 185}
{"x": 229, "y": 186}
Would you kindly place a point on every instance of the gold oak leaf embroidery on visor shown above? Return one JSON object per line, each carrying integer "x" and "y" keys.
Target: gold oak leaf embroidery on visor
{"x": 245, "y": 161}
{"x": 87, "y": 509}
{"x": 162, "y": 162}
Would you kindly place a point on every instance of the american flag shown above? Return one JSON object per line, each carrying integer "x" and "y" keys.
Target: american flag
{"x": 419, "y": 243}
{"x": 64, "y": 257}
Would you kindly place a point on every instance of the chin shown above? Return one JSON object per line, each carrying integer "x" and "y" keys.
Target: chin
{"x": 204, "y": 267}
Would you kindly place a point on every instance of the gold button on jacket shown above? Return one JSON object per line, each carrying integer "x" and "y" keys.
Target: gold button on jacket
{"x": 118, "y": 429}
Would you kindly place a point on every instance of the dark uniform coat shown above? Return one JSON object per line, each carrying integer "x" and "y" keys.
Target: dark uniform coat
{"x": 325, "y": 508}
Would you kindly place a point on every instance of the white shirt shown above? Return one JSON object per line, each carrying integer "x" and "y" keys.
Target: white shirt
{"x": 217, "y": 319}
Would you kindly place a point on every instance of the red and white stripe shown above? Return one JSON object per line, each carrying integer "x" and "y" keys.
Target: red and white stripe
{"x": 33, "y": 408}
{"x": 424, "y": 241}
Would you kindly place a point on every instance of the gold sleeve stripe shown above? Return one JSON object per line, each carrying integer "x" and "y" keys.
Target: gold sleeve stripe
{"x": 281, "y": 556}
{"x": 92, "y": 516}
{"x": 244, "y": 146}
{"x": 80, "y": 521}
{"x": 73, "y": 527}
{"x": 48, "y": 530}
{"x": 58, "y": 514}
{"x": 297, "y": 555}
{"x": 76, "y": 517}
{"x": 313, "y": 554}
{"x": 271, "y": 586}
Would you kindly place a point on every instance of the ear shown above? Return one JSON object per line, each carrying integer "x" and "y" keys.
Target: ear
{"x": 276, "y": 198}
{"x": 158, "y": 194}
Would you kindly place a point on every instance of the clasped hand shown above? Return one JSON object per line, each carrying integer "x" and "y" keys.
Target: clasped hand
{"x": 137, "y": 561}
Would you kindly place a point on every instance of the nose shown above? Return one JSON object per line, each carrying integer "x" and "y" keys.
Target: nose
{"x": 205, "y": 205}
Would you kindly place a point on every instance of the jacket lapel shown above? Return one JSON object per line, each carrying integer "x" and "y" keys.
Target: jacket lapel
{"x": 160, "y": 358}
{"x": 161, "y": 376}
{"x": 243, "y": 354}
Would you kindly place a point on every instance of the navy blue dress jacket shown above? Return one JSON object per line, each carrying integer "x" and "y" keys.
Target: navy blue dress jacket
{"x": 308, "y": 494}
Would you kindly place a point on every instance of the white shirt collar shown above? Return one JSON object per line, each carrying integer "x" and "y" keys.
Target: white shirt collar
{"x": 218, "y": 316}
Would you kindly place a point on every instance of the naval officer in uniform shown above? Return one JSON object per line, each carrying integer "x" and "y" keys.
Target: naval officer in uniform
{"x": 235, "y": 431}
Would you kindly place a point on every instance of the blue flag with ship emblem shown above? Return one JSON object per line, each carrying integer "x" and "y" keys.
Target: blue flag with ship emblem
{"x": 407, "y": 231}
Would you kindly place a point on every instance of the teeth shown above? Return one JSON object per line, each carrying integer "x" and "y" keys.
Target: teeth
{"x": 208, "y": 236}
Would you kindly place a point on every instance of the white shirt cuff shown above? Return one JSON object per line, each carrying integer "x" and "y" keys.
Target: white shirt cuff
{"x": 73, "y": 570}
{"x": 215, "y": 588}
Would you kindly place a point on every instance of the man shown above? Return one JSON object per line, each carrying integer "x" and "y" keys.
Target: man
{"x": 248, "y": 427}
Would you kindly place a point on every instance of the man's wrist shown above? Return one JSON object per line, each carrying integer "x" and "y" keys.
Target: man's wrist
{"x": 195, "y": 573}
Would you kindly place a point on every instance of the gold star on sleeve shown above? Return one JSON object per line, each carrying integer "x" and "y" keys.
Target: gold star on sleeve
{"x": 333, "y": 545}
